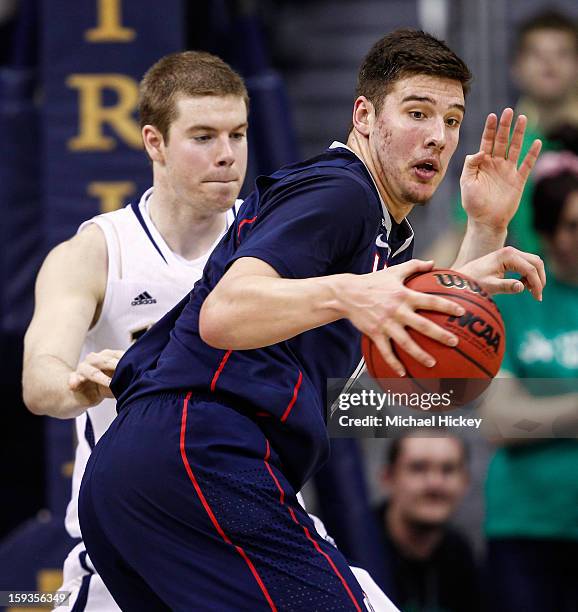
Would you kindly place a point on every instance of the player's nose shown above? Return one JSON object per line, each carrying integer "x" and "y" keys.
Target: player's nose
{"x": 436, "y": 136}
{"x": 224, "y": 152}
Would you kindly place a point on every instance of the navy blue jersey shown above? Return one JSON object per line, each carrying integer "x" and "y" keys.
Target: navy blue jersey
{"x": 316, "y": 218}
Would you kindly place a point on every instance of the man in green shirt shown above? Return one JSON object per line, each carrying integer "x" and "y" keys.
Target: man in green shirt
{"x": 532, "y": 483}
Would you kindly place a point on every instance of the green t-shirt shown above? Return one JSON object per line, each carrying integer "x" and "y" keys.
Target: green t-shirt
{"x": 532, "y": 489}
{"x": 521, "y": 232}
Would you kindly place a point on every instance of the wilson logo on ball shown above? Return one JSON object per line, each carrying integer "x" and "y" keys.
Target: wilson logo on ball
{"x": 459, "y": 282}
{"x": 479, "y": 328}
{"x": 468, "y": 368}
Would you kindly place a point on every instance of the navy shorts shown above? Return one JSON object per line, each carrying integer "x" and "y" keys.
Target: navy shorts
{"x": 184, "y": 506}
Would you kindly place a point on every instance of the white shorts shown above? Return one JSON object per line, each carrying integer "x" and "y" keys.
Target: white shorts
{"x": 84, "y": 584}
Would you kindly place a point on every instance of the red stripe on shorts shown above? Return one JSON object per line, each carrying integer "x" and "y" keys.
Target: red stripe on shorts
{"x": 210, "y": 512}
{"x": 294, "y": 398}
{"x": 220, "y": 369}
{"x": 307, "y": 534}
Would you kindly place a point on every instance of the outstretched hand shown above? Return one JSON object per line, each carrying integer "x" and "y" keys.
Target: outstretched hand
{"x": 491, "y": 181}
{"x": 90, "y": 382}
{"x": 489, "y": 272}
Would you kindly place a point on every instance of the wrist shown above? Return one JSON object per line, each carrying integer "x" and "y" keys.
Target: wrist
{"x": 483, "y": 230}
{"x": 336, "y": 288}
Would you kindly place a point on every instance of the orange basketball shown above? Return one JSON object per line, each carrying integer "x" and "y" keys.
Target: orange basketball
{"x": 467, "y": 368}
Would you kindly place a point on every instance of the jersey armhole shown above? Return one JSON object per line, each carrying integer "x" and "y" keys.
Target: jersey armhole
{"x": 114, "y": 268}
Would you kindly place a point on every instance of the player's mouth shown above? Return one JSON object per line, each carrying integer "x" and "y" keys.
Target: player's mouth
{"x": 426, "y": 169}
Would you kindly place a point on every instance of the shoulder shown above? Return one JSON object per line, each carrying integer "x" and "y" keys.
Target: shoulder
{"x": 80, "y": 262}
{"x": 338, "y": 188}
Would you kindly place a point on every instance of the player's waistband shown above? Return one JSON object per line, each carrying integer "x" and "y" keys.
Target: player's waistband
{"x": 197, "y": 395}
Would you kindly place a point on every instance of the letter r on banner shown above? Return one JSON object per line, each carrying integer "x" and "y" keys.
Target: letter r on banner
{"x": 93, "y": 114}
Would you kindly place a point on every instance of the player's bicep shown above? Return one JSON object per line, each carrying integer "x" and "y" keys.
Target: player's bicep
{"x": 67, "y": 293}
{"x": 249, "y": 266}
{"x": 228, "y": 287}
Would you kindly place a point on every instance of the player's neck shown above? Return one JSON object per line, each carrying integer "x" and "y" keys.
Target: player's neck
{"x": 188, "y": 232}
{"x": 360, "y": 146}
{"x": 415, "y": 543}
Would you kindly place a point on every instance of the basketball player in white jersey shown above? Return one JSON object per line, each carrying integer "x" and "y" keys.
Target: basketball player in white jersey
{"x": 124, "y": 270}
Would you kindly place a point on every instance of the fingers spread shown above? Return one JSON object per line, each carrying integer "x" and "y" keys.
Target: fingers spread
{"x": 384, "y": 347}
{"x": 503, "y": 133}
{"x": 405, "y": 342}
{"x": 428, "y": 328}
{"x": 424, "y": 301}
{"x": 489, "y": 133}
{"x": 517, "y": 139}
{"x": 530, "y": 159}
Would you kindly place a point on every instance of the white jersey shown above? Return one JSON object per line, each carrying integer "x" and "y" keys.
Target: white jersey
{"x": 145, "y": 280}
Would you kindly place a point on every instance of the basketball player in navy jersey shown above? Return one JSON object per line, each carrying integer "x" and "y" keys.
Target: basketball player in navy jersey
{"x": 189, "y": 500}
{"x": 136, "y": 264}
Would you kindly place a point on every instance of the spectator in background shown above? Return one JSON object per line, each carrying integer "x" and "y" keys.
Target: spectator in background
{"x": 545, "y": 71}
{"x": 431, "y": 566}
{"x": 532, "y": 483}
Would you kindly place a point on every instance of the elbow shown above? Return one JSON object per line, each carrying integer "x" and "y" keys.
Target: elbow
{"x": 211, "y": 326}
{"x": 33, "y": 401}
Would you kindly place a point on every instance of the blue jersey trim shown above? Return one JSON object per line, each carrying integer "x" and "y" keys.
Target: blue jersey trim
{"x": 136, "y": 211}
{"x": 82, "y": 599}
{"x": 89, "y": 432}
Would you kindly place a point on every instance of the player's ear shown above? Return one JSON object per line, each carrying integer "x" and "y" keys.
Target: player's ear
{"x": 363, "y": 114}
{"x": 153, "y": 141}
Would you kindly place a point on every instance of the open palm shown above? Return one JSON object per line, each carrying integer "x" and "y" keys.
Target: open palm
{"x": 491, "y": 181}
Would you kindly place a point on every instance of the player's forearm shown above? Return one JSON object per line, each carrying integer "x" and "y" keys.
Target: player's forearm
{"x": 478, "y": 241}
{"x": 257, "y": 311}
{"x": 508, "y": 409}
{"x": 45, "y": 388}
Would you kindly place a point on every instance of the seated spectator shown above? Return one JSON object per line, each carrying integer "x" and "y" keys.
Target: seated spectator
{"x": 532, "y": 483}
{"x": 430, "y": 565}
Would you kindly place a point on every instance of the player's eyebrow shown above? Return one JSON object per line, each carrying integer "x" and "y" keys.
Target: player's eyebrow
{"x": 428, "y": 100}
{"x": 211, "y": 128}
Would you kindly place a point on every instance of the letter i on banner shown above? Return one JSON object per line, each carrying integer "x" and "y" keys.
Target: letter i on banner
{"x": 94, "y": 54}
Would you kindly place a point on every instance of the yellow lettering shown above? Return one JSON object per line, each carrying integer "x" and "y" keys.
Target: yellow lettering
{"x": 67, "y": 468}
{"x": 112, "y": 194}
{"x": 109, "y": 28}
{"x": 47, "y": 581}
{"x": 93, "y": 115}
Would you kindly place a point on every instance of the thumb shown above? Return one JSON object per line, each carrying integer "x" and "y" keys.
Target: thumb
{"x": 413, "y": 266}
{"x": 75, "y": 380}
{"x": 472, "y": 163}
{"x": 504, "y": 285}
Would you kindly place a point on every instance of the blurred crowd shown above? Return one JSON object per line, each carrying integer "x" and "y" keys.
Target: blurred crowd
{"x": 530, "y": 495}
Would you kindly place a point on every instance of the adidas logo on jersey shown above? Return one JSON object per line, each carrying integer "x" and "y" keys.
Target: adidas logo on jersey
{"x": 144, "y": 298}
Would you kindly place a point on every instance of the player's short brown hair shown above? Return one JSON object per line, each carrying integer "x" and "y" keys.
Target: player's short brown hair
{"x": 546, "y": 20}
{"x": 406, "y": 53}
{"x": 187, "y": 73}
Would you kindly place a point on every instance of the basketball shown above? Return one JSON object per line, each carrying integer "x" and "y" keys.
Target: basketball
{"x": 468, "y": 368}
